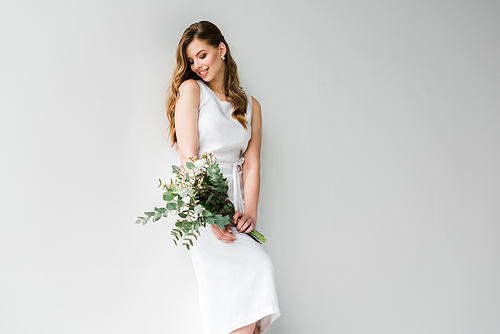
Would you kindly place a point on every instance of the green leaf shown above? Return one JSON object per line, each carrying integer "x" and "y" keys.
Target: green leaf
{"x": 157, "y": 216}
{"x": 209, "y": 220}
{"x": 207, "y": 213}
{"x": 145, "y": 221}
{"x": 198, "y": 209}
{"x": 189, "y": 165}
{"x": 168, "y": 196}
{"x": 220, "y": 224}
{"x": 187, "y": 245}
{"x": 150, "y": 213}
{"x": 182, "y": 215}
{"x": 175, "y": 169}
{"x": 180, "y": 202}
{"x": 171, "y": 206}
{"x": 138, "y": 221}
{"x": 165, "y": 214}
{"x": 175, "y": 242}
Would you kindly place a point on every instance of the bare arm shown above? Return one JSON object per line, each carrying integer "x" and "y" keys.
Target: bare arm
{"x": 186, "y": 125}
{"x": 186, "y": 120}
{"x": 251, "y": 173}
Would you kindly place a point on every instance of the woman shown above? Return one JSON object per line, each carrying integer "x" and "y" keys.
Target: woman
{"x": 210, "y": 113}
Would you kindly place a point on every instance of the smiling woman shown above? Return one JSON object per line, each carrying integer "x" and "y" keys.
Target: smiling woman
{"x": 204, "y": 57}
{"x": 203, "y": 47}
{"x": 209, "y": 112}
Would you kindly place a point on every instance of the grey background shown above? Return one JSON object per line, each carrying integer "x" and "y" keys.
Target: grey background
{"x": 380, "y": 163}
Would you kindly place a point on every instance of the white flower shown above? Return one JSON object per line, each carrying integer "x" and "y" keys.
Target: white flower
{"x": 188, "y": 191}
{"x": 198, "y": 166}
{"x": 199, "y": 163}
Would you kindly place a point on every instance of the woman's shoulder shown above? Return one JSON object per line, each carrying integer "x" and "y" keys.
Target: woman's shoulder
{"x": 189, "y": 86}
{"x": 255, "y": 103}
{"x": 189, "y": 89}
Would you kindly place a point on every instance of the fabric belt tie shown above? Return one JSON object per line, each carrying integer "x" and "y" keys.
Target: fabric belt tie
{"x": 237, "y": 171}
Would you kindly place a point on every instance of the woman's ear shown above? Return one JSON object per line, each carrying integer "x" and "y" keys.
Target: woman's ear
{"x": 222, "y": 49}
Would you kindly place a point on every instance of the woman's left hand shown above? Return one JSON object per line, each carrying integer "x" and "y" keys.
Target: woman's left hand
{"x": 246, "y": 223}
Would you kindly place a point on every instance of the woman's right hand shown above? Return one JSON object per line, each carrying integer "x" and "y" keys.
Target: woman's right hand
{"x": 223, "y": 234}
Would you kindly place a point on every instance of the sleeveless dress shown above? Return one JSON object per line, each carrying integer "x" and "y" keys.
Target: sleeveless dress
{"x": 235, "y": 280}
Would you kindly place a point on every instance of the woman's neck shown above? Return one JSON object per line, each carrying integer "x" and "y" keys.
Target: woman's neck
{"x": 216, "y": 83}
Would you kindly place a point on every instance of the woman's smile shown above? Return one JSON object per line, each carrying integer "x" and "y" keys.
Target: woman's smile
{"x": 203, "y": 72}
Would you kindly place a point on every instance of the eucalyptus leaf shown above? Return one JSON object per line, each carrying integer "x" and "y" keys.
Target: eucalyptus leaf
{"x": 168, "y": 196}
{"x": 175, "y": 169}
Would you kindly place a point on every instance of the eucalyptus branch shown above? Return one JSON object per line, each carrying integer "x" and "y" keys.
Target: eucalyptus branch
{"x": 208, "y": 184}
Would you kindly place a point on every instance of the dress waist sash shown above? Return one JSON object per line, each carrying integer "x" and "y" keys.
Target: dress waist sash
{"x": 237, "y": 173}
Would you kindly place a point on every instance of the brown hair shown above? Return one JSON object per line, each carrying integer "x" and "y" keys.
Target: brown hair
{"x": 210, "y": 34}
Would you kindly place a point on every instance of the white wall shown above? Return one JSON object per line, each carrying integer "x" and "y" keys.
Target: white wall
{"x": 381, "y": 158}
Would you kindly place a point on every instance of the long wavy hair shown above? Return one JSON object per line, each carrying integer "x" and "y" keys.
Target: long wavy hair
{"x": 210, "y": 34}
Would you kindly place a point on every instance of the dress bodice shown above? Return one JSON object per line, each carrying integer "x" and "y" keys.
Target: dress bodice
{"x": 218, "y": 132}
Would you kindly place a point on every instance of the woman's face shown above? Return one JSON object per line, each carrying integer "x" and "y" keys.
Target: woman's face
{"x": 205, "y": 60}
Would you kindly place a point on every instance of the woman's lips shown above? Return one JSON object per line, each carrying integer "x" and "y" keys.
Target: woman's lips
{"x": 202, "y": 73}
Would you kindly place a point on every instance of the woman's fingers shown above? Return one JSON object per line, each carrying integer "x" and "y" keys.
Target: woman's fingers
{"x": 236, "y": 215}
{"x": 223, "y": 234}
{"x": 245, "y": 225}
{"x": 250, "y": 228}
{"x": 242, "y": 225}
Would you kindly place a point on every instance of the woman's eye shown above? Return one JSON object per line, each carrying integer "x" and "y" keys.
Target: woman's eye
{"x": 203, "y": 56}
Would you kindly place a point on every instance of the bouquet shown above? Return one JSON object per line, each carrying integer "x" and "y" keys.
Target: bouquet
{"x": 198, "y": 197}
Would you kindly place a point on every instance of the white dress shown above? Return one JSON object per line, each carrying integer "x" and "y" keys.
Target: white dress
{"x": 235, "y": 280}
